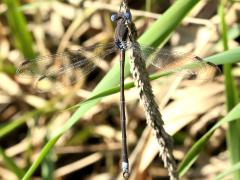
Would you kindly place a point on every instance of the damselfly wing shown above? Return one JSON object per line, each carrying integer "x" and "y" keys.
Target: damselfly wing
{"x": 71, "y": 66}
{"x": 52, "y": 71}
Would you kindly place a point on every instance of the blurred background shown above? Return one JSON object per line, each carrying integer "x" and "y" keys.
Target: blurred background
{"x": 91, "y": 148}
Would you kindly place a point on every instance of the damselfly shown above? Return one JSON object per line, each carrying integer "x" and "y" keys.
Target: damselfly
{"x": 57, "y": 66}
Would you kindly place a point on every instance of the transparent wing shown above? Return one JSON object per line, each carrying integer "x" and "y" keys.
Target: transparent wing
{"x": 71, "y": 65}
{"x": 180, "y": 63}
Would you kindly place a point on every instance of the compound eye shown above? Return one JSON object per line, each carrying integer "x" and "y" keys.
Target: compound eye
{"x": 127, "y": 16}
{"x": 114, "y": 17}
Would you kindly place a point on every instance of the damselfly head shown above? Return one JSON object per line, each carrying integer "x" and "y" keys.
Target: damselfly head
{"x": 127, "y": 16}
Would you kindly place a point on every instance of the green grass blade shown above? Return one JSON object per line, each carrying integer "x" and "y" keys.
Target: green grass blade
{"x": 48, "y": 165}
{"x": 8, "y": 128}
{"x": 19, "y": 30}
{"x": 155, "y": 35}
{"x": 193, "y": 153}
{"x": 232, "y": 34}
{"x": 226, "y": 57}
{"x": 42, "y": 155}
{"x": 9, "y": 163}
{"x": 164, "y": 26}
{"x": 232, "y": 55}
{"x": 232, "y": 99}
{"x": 228, "y": 171}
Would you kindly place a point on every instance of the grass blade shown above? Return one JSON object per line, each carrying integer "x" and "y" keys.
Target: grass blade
{"x": 228, "y": 171}
{"x": 232, "y": 55}
{"x": 231, "y": 97}
{"x": 9, "y": 163}
{"x": 48, "y": 165}
{"x": 19, "y": 30}
{"x": 8, "y": 128}
{"x": 193, "y": 153}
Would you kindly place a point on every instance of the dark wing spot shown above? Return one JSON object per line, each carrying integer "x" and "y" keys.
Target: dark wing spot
{"x": 42, "y": 77}
{"x": 24, "y": 63}
{"x": 198, "y": 58}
